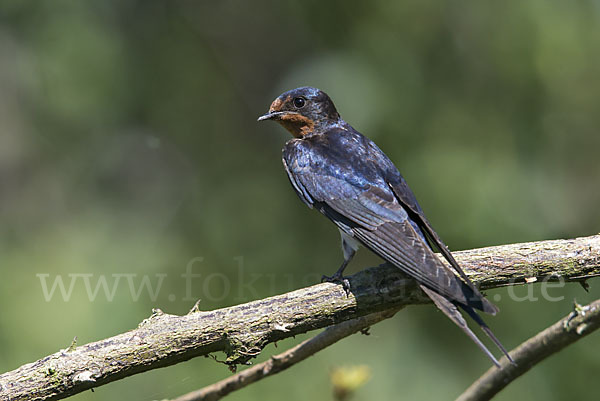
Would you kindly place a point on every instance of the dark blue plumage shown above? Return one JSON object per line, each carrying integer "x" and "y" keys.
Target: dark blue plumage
{"x": 345, "y": 176}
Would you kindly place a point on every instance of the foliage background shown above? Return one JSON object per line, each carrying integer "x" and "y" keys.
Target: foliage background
{"x": 128, "y": 145}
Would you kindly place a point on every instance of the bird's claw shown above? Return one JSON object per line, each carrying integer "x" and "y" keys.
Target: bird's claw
{"x": 337, "y": 279}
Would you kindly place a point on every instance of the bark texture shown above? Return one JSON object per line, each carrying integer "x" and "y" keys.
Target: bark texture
{"x": 242, "y": 331}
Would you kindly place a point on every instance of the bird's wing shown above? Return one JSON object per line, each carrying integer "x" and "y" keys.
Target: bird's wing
{"x": 356, "y": 198}
{"x": 406, "y": 197}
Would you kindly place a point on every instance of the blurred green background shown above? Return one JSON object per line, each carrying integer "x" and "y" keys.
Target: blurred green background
{"x": 129, "y": 148}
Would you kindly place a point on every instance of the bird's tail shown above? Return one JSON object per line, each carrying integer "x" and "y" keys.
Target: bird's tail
{"x": 471, "y": 312}
{"x": 451, "y": 310}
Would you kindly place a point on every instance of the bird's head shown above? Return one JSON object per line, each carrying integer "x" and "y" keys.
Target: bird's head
{"x": 302, "y": 110}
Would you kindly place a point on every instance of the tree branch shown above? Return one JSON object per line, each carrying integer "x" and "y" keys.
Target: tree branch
{"x": 278, "y": 363}
{"x": 578, "y": 324}
{"x": 242, "y": 331}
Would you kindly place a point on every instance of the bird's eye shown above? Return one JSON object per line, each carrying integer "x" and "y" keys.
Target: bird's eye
{"x": 299, "y": 102}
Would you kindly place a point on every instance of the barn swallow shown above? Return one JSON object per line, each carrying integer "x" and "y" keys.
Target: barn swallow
{"x": 345, "y": 176}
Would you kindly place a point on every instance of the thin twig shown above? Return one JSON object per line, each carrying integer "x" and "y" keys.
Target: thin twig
{"x": 280, "y": 362}
{"x": 578, "y": 324}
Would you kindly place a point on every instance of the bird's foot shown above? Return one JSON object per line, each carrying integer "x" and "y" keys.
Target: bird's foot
{"x": 337, "y": 278}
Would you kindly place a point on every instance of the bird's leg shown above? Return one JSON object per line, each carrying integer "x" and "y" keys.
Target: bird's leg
{"x": 338, "y": 276}
{"x": 349, "y": 247}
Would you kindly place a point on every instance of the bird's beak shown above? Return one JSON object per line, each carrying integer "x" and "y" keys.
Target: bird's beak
{"x": 271, "y": 115}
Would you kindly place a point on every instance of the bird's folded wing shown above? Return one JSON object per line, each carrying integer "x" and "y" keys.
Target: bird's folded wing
{"x": 382, "y": 224}
{"x": 370, "y": 211}
{"x": 407, "y": 198}
{"x": 400, "y": 244}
